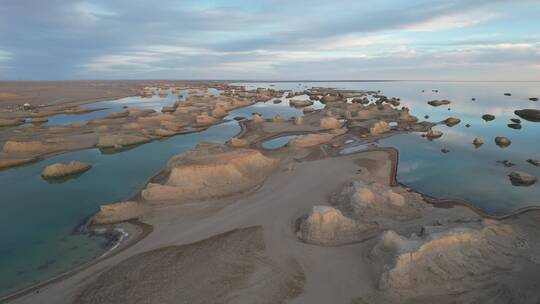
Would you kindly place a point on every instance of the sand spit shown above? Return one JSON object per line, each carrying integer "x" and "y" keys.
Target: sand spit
{"x": 237, "y": 271}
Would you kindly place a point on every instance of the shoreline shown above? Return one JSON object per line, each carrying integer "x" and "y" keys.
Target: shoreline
{"x": 148, "y": 228}
{"x": 393, "y": 155}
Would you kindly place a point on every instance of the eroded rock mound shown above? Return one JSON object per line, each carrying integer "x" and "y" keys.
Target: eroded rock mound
{"x": 227, "y": 268}
{"x": 432, "y": 134}
{"x": 373, "y": 200}
{"x": 379, "y": 127}
{"x": 529, "y": 114}
{"x": 452, "y": 121}
{"x": 520, "y": 178}
{"x": 502, "y": 142}
{"x": 300, "y": 103}
{"x": 438, "y": 103}
{"x": 60, "y": 170}
{"x": 329, "y": 122}
{"x": 315, "y": 139}
{"x": 118, "y": 212}
{"x": 238, "y": 142}
{"x": 120, "y": 140}
{"x": 11, "y": 122}
{"x": 210, "y": 171}
{"x": 30, "y": 147}
{"x": 327, "y": 226}
{"x": 443, "y": 261}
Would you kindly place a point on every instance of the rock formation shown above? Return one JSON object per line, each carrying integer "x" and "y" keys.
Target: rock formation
{"x": 520, "y": 178}
{"x": 30, "y": 147}
{"x": 188, "y": 176}
{"x": 529, "y": 114}
{"x": 327, "y": 226}
{"x": 443, "y": 260}
{"x": 120, "y": 140}
{"x": 238, "y": 142}
{"x": 477, "y": 142}
{"x": 379, "y": 127}
{"x": 205, "y": 120}
{"x": 451, "y": 121}
{"x": 314, "y": 139}
{"x": 437, "y": 103}
{"x": 329, "y": 122}
{"x": 535, "y": 162}
{"x": 502, "y": 141}
{"x": 257, "y": 118}
{"x": 118, "y": 212}
{"x": 300, "y": 103}
{"x": 432, "y": 134}
{"x": 488, "y": 117}
{"x": 60, "y": 170}
{"x": 11, "y": 122}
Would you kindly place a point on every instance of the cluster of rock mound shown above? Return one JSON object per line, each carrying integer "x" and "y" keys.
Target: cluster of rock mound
{"x": 130, "y": 127}
{"x": 444, "y": 260}
{"x": 424, "y": 254}
{"x": 209, "y": 171}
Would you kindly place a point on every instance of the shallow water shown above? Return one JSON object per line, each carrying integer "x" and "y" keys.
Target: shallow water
{"x": 37, "y": 218}
{"x": 465, "y": 173}
{"x": 269, "y": 109}
{"x": 278, "y": 142}
{"x": 118, "y": 105}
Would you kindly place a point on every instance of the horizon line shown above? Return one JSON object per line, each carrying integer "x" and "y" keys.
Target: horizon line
{"x": 264, "y": 80}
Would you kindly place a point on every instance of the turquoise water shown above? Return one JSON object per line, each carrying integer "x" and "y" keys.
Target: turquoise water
{"x": 37, "y": 219}
{"x": 278, "y": 142}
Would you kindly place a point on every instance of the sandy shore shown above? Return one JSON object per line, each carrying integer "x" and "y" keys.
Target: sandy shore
{"x": 318, "y": 227}
{"x": 332, "y": 274}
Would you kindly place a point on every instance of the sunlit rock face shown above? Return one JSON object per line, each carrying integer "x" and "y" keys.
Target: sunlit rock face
{"x": 329, "y": 122}
{"x": 375, "y": 200}
{"x": 59, "y": 170}
{"x": 442, "y": 260}
{"x": 379, "y": 128}
{"x": 210, "y": 171}
{"x": 327, "y": 226}
{"x": 315, "y": 139}
{"x": 118, "y": 212}
{"x": 30, "y": 147}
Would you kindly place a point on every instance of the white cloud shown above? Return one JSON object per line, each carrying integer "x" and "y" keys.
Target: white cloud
{"x": 5, "y": 55}
{"x": 453, "y": 21}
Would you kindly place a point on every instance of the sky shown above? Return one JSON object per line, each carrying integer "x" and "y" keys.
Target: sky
{"x": 270, "y": 39}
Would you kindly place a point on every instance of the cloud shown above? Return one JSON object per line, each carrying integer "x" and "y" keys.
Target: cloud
{"x": 4, "y": 55}
{"x": 451, "y": 21}
{"x": 277, "y": 39}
